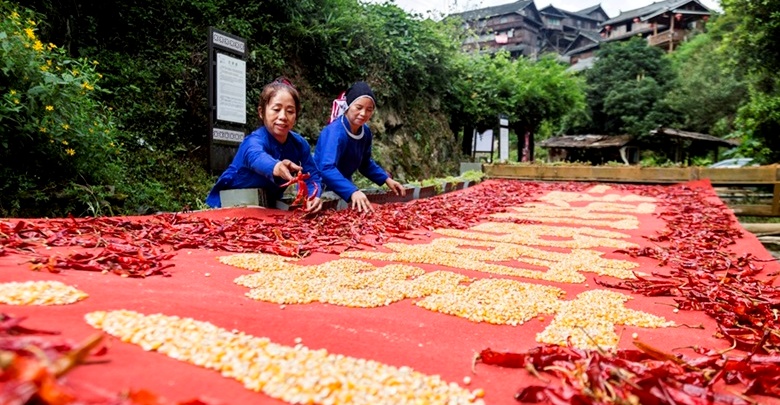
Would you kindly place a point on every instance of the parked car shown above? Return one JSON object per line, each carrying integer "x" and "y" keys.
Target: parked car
{"x": 736, "y": 162}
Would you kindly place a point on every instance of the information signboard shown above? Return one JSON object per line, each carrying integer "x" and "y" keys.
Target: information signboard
{"x": 503, "y": 139}
{"x": 231, "y": 89}
{"x": 483, "y": 142}
{"x": 227, "y": 97}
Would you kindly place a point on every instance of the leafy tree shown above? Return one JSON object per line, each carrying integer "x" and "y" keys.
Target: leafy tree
{"x": 529, "y": 93}
{"x": 754, "y": 47}
{"x": 706, "y": 93}
{"x": 624, "y": 87}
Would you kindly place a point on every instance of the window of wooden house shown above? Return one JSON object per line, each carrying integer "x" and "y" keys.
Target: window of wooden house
{"x": 503, "y": 20}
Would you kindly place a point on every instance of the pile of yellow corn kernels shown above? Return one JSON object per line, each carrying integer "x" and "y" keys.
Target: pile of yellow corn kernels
{"x": 294, "y": 374}
{"x": 39, "y": 293}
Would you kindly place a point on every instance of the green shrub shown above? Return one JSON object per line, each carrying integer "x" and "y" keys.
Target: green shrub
{"x": 56, "y": 139}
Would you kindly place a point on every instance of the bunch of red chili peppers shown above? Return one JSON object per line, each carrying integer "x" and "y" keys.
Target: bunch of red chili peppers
{"x": 646, "y": 376}
{"x": 137, "y": 247}
{"x": 303, "y": 191}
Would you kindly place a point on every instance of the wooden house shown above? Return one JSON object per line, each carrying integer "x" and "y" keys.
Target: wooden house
{"x": 514, "y": 27}
{"x": 681, "y": 146}
{"x": 595, "y": 149}
{"x": 562, "y": 27}
{"x": 664, "y": 23}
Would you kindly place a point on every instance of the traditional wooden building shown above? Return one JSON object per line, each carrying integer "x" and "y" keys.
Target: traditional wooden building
{"x": 562, "y": 27}
{"x": 664, "y": 24}
{"x": 514, "y": 27}
{"x": 681, "y": 146}
{"x": 523, "y": 30}
{"x": 594, "y": 149}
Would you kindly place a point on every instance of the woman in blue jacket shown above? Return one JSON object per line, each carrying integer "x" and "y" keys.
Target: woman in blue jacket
{"x": 344, "y": 147}
{"x": 268, "y": 157}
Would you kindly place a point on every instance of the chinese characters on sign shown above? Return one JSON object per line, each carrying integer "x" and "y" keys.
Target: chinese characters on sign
{"x": 231, "y": 89}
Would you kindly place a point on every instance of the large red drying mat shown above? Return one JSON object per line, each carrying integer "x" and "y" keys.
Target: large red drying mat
{"x": 400, "y": 334}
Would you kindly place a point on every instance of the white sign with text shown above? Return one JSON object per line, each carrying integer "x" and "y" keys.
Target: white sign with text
{"x": 231, "y": 89}
{"x": 483, "y": 142}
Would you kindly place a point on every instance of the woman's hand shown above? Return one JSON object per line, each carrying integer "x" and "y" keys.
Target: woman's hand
{"x": 396, "y": 187}
{"x": 285, "y": 168}
{"x": 360, "y": 202}
{"x": 313, "y": 205}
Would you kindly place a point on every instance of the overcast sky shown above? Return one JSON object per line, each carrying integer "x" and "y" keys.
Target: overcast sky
{"x": 439, "y": 7}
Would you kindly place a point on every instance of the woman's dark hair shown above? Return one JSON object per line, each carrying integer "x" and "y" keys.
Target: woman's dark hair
{"x": 270, "y": 90}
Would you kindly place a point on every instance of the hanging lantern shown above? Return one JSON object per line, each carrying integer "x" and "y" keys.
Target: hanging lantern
{"x": 636, "y": 19}
{"x": 706, "y": 18}
{"x": 678, "y": 16}
{"x": 608, "y": 27}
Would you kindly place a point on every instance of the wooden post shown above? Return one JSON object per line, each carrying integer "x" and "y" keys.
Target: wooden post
{"x": 671, "y": 32}
{"x": 776, "y": 200}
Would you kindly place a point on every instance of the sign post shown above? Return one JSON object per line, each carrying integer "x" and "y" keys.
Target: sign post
{"x": 227, "y": 97}
{"x": 482, "y": 143}
{"x": 503, "y": 138}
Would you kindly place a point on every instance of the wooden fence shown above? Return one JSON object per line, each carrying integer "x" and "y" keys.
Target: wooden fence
{"x": 743, "y": 177}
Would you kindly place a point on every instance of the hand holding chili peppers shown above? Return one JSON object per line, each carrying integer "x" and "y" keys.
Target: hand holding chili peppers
{"x": 311, "y": 203}
{"x": 285, "y": 168}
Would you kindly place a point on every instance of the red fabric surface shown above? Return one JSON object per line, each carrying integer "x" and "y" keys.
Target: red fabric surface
{"x": 400, "y": 334}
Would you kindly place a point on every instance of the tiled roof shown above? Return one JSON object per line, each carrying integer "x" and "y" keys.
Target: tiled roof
{"x": 580, "y": 14}
{"x": 488, "y": 12}
{"x": 589, "y": 9}
{"x": 552, "y": 10}
{"x": 652, "y": 9}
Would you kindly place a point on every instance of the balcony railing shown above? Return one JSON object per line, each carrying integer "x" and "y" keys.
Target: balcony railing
{"x": 663, "y": 38}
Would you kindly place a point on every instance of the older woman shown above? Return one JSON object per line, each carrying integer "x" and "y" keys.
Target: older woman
{"x": 344, "y": 147}
{"x": 268, "y": 157}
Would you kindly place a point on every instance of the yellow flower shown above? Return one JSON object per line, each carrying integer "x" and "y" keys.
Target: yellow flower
{"x": 70, "y": 151}
{"x": 38, "y": 45}
{"x": 52, "y": 46}
{"x": 13, "y": 92}
{"x": 49, "y": 62}
{"x": 49, "y": 108}
{"x": 30, "y": 33}
{"x": 16, "y": 101}
{"x": 14, "y": 15}
{"x": 31, "y": 22}
{"x": 87, "y": 86}
{"x": 44, "y": 68}
{"x": 94, "y": 62}
{"x": 65, "y": 126}
{"x": 75, "y": 72}
{"x": 91, "y": 130}
{"x": 111, "y": 144}
{"x": 100, "y": 75}
{"x": 64, "y": 142}
{"x": 42, "y": 129}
